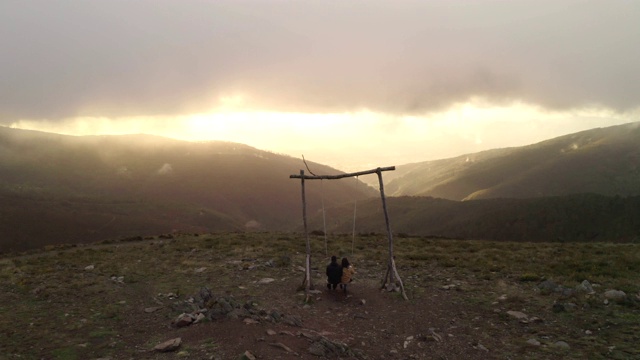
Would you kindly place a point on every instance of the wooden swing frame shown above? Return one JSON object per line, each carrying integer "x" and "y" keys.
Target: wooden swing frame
{"x": 394, "y": 280}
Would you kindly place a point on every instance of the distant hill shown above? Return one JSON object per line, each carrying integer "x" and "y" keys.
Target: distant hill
{"x": 601, "y": 161}
{"x": 66, "y": 189}
{"x": 582, "y": 217}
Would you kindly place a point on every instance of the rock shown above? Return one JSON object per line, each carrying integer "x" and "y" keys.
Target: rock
{"x": 271, "y": 332}
{"x": 615, "y": 295}
{"x": 533, "y": 342}
{"x": 224, "y": 305}
{"x": 482, "y": 347}
{"x": 435, "y": 336}
{"x": 266, "y": 281}
{"x": 204, "y": 297}
{"x": 89, "y": 268}
{"x": 199, "y": 318}
{"x": 585, "y": 287}
{"x": 562, "y": 345}
{"x": 570, "y": 307}
{"x": 558, "y": 307}
{"x": 152, "y": 309}
{"x": 169, "y": 345}
{"x": 237, "y": 313}
{"x": 292, "y": 320}
{"x": 324, "y": 347}
{"x": 184, "y": 320}
{"x": 547, "y": 286}
{"x": 517, "y": 314}
{"x": 275, "y": 315}
{"x": 283, "y": 347}
{"x": 199, "y": 270}
{"x": 363, "y": 302}
{"x": 565, "y": 292}
{"x": 249, "y": 321}
{"x": 247, "y": 356}
{"x": 535, "y": 319}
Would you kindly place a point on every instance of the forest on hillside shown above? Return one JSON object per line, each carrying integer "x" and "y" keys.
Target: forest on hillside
{"x": 580, "y": 217}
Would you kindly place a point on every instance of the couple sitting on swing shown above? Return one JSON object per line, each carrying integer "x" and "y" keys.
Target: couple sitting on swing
{"x": 339, "y": 274}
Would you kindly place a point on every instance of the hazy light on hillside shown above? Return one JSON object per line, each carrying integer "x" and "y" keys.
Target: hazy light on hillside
{"x": 165, "y": 169}
{"x": 354, "y": 140}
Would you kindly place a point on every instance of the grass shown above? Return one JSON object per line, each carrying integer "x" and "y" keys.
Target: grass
{"x": 57, "y": 304}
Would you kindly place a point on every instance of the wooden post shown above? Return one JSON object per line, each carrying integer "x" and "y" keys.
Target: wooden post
{"x": 307, "y": 273}
{"x": 392, "y": 272}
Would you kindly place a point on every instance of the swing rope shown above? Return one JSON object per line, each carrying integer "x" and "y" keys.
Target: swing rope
{"x": 355, "y": 207}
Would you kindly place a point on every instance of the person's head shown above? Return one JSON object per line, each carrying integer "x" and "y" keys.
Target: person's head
{"x": 334, "y": 259}
{"x": 345, "y": 263}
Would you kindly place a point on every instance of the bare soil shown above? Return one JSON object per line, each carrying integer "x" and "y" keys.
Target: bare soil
{"x": 53, "y": 307}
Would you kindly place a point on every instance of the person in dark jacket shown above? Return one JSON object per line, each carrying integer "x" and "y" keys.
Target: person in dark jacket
{"x": 334, "y": 273}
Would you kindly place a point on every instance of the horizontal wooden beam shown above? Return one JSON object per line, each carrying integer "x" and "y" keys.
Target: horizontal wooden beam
{"x": 341, "y": 176}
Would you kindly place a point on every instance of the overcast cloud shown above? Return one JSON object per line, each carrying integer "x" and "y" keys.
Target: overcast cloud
{"x": 63, "y": 59}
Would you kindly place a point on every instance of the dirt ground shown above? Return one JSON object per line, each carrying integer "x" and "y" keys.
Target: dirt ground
{"x": 120, "y": 301}
{"x": 380, "y": 325}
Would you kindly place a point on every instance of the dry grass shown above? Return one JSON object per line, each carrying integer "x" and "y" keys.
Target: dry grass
{"x": 50, "y": 306}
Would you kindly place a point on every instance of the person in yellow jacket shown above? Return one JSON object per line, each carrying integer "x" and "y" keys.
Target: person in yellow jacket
{"x": 347, "y": 273}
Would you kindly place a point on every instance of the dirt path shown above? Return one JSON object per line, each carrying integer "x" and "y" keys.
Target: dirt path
{"x": 375, "y": 324}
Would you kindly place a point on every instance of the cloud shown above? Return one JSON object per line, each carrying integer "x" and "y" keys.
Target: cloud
{"x": 118, "y": 58}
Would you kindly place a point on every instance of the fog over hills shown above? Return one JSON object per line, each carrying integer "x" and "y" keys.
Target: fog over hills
{"x": 65, "y": 189}
{"x": 601, "y": 161}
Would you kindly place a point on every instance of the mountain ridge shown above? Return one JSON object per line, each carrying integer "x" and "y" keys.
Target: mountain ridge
{"x": 59, "y": 188}
{"x": 65, "y": 189}
{"x": 602, "y": 160}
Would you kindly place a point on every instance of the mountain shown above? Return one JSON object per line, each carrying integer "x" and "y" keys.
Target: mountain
{"x": 581, "y": 217}
{"x": 601, "y": 161}
{"x": 66, "y": 189}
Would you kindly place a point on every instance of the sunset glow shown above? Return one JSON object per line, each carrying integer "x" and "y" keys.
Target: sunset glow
{"x": 350, "y": 141}
{"x": 440, "y": 79}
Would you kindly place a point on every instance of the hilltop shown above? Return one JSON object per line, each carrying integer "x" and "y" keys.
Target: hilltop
{"x": 65, "y": 189}
{"x": 603, "y": 161}
{"x": 467, "y": 300}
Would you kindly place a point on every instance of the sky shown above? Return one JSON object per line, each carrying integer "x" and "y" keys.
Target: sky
{"x": 352, "y": 84}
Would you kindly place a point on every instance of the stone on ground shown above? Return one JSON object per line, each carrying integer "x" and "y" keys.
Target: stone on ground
{"x": 169, "y": 345}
